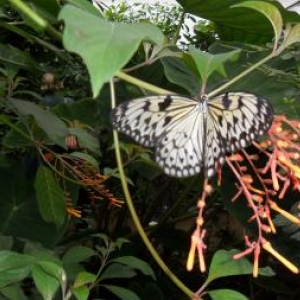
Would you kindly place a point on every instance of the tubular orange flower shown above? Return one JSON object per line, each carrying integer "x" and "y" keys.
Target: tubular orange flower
{"x": 191, "y": 257}
{"x": 287, "y": 215}
{"x": 256, "y": 260}
{"x": 74, "y": 212}
{"x": 268, "y": 247}
{"x": 288, "y": 163}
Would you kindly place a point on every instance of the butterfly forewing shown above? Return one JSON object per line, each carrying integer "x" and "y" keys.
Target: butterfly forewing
{"x": 146, "y": 119}
{"x": 189, "y": 135}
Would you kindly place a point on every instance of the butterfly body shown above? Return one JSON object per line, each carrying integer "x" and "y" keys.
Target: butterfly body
{"x": 190, "y": 135}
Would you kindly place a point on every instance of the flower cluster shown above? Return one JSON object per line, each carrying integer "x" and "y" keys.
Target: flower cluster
{"x": 260, "y": 186}
{"x": 84, "y": 174}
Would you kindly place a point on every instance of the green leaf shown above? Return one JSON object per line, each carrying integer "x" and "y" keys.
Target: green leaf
{"x": 270, "y": 11}
{"x": 224, "y": 265}
{"x": 116, "y": 174}
{"x": 135, "y": 263}
{"x": 51, "y": 124}
{"x": 178, "y": 72}
{"x": 81, "y": 292}
{"x": 292, "y": 35}
{"x": 50, "y": 197}
{"x": 207, "y": 63}
{"x": 15, "y": 140}
{"x": 122, "y": 293}
{"x": 84, "y": 278}
{"x": 46, "y": 284}
{"x": 18, "y": 58}
{"x": 239, "y": 24}
{"x": 13, "y": 292}
{"x": 52, "y": 269}
{"x": 6, "y": 242}
{"x": 19, "y": 212}
{"x": 226, "y": 294}
{"x": 86, "y": 6}
{"x": 77, "y": 254}
{"x": 14, "y": 267}
{"x": 86, "y": 140}
{"x": 84, "y": 111}
{"x": 103, "y": 237}
{"x": 117, "y": 271}
{"x": 104, "y": 46}
{"x": 120, "y": 242}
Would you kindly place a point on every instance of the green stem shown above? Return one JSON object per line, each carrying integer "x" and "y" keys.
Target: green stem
{"x": 5, "y": 120}
{"x": 40, "y": 22}
{"x": 134, "y": 215}
{"x": 143, "y": 84}
{"x": 241, "y": 75}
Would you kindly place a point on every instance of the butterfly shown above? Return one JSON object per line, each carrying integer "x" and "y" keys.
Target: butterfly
{"x": 193, "y": 135}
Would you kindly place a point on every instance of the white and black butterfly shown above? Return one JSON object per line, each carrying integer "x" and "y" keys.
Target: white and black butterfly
{"x": 190, "y": 135}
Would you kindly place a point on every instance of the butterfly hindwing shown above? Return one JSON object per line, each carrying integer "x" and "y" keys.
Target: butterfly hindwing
{"x": 179, "y": 151}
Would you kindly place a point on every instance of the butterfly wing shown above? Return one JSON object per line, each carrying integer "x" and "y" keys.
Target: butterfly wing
{"x": 171, "y": 124}
{"x": 234, "y": 121}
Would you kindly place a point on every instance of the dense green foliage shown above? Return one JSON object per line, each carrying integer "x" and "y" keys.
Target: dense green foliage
{"x": 57, "y": 158}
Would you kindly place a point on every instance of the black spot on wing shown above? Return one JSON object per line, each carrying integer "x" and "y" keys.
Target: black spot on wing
{"x": 226, "y": 101}
{"x": 167, "y": 120}
{"x": 165, "y": 104}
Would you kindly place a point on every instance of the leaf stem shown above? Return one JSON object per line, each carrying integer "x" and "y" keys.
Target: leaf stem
{"x": 143, "y": 84}
{"x": 134, "y": 215}
{"x": 241, "y": 75}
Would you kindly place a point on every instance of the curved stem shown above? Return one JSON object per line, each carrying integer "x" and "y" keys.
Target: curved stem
{"x": 134, "y": 215}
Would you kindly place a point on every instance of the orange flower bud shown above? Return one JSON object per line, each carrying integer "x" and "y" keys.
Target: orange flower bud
{"x": 247, "y": 179}
{"x": 265, "y": 228}
{"x": 48, "y": 156}
{"x": 74, "y": 212}
{"x": 294, "y": 155}
{"x": 208, "y": 189}
{"x": 72, "y": 142}
{"x": 200, "y": 221}
{"x": 201, "y": 204}
{"x": 257, "y": 198}
{"x": 236, "y": 157}
{"x": 265, "y": 144}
